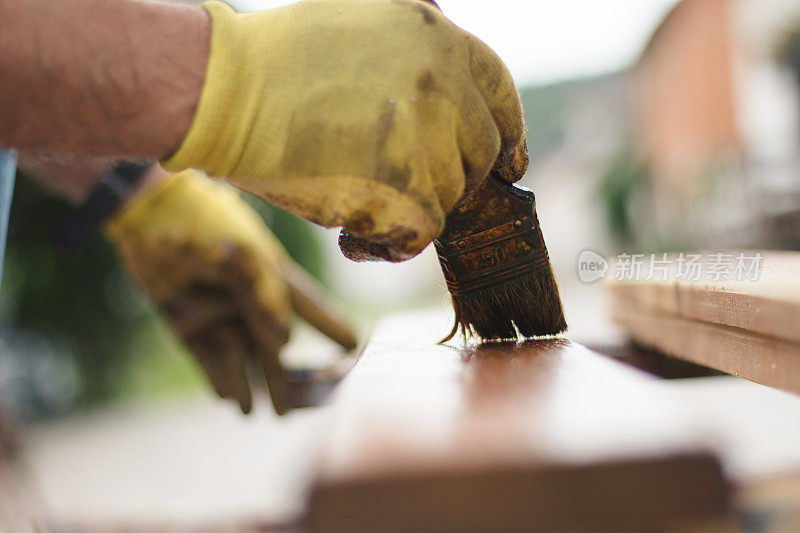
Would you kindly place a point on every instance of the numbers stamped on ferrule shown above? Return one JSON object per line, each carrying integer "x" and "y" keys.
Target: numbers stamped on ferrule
{"x": 493, "y": 254}
{"x": 496, "y": 254}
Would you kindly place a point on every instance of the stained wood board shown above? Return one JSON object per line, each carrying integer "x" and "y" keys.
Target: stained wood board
{"x": 756, "y": 357}
{"x": 545, "y": 435}
{"x": 768, "y": 305}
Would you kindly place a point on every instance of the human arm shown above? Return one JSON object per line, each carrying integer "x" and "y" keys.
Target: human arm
{"x": 373, "y": 115}
{"x": 100, "y": 77}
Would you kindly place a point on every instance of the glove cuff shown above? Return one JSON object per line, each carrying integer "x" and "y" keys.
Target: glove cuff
{"x": 137, "y": 209}
{"x": 214, "y": 141}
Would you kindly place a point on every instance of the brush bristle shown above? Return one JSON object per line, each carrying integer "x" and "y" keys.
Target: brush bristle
{"x": 495, "y": 262}
{"x": 528, "y": 305}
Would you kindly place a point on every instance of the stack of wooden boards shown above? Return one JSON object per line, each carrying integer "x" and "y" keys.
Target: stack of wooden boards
{"x": 748, "y": 327}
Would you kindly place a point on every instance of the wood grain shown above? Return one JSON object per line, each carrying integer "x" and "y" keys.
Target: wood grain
{"x": 546, "y": 434}
{"x": 769, "y": 305}
{"x": 738, "y": 352}
{"x": 748, "y": 328}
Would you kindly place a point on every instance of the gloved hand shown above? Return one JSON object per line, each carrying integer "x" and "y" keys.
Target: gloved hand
{"x": 374, "y": 115}
{"x": 222, "y": 279}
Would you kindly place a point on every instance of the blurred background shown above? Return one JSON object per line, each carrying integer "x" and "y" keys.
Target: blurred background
{"x": 654, "y": 125}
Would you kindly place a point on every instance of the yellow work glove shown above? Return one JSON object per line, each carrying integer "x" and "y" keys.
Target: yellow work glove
{"x": 374, "y": 115}
{"x": 221, "y": 278}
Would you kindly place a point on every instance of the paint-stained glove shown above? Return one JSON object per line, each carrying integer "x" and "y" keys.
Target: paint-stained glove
{"x": 221, "y": 278}
{"x": 374, "y": 115}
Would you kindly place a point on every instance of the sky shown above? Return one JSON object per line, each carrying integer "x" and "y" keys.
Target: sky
{"x": 544, "y": 41}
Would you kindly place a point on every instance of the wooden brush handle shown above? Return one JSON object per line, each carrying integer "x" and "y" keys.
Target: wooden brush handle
{"x": 310, "y": 302}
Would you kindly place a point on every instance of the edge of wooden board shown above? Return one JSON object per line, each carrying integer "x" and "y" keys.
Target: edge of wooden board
{"x": 627, "y": 495}
{"x": 759, "y": 358}
{"x": 767, "y": 305}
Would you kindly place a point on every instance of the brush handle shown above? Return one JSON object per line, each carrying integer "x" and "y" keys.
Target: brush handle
{"x": 311, "y": 302}
{"x": 491, "y": 236}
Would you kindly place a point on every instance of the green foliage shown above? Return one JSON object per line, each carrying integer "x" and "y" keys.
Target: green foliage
{"x": 83, "y": 302}
{"x": 616, "y": 191}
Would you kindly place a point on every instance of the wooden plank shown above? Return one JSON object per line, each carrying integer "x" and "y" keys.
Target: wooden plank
{"x": 769, "y": 305}
{"x": 738, "y": 352}
{"x": 543, "y": 435}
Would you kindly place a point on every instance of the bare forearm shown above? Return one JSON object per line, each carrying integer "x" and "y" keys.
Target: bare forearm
{"x": 99, "y": 77}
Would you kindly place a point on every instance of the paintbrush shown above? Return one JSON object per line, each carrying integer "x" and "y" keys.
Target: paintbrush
{"x": 496, "y": 265}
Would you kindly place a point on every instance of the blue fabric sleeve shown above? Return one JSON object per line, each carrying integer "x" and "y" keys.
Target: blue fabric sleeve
{"x": 8, "y": 170}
